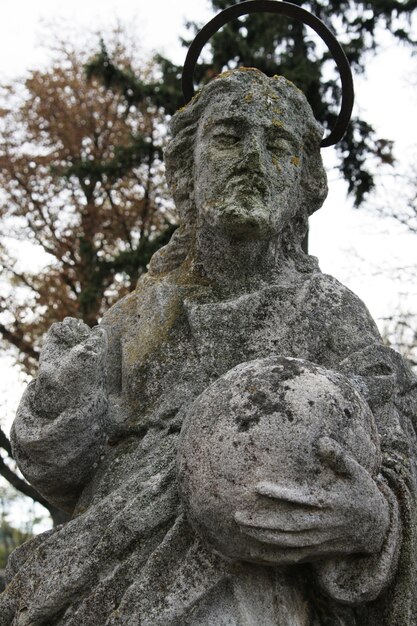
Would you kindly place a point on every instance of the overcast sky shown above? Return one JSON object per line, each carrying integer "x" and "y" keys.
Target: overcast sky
{"x": 351, "y": 244}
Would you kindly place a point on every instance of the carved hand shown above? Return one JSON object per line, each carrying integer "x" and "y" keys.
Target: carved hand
{"x": 71, "y": 367}
{"x": 349, "y": 516}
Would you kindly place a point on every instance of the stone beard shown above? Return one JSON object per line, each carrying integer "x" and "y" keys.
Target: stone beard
{"x": 234, "y": 442}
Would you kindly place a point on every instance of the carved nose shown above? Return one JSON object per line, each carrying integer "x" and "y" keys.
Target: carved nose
{"x": 253, "y": 150}
{"x": 253, "y": 144}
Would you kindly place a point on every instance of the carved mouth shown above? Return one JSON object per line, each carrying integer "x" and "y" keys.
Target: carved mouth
{"x": 251, "y": 183}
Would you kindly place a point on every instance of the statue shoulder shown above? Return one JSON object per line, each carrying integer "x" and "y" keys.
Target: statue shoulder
{"x": 126, "y": 311}
{"x": 339, "y": 314}
{"x": 121, "y": 312}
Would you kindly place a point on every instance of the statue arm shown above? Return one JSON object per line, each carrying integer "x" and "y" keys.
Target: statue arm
{"x": 384, "y": 379}
{"x": 349, "y": 342}
{"x": 58, "y": 434}
{"x": 58, "y": 456}
{"x": 63, "y": 421}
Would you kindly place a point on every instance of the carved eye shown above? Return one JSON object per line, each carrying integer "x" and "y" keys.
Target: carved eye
{"x": 226, "y": 140}
{"x": 278, "y": 145}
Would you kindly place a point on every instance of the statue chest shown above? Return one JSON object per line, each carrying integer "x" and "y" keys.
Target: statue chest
{"x": 252, "y": 326}
{"x": 209, "y": 338}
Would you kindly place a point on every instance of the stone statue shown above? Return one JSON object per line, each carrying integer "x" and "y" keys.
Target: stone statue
{"x": 234, "y": 442}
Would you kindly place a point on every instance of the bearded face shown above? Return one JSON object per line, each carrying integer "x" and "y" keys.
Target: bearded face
{"x": 247, "y": 166}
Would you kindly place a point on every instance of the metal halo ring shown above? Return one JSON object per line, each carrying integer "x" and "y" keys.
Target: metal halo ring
{"x": 289, "y": 10}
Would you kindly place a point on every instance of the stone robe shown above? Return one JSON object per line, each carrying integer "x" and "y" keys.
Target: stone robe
{"x": 129, "y": 556}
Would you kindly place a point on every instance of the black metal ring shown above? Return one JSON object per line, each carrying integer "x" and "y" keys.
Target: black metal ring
{"x": 289, "y": 10}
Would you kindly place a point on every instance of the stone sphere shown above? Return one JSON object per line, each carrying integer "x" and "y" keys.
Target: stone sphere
{"x": 260, "y": 423}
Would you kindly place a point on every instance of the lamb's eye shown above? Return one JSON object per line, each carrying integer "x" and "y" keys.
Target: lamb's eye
{"x": 226, "y": 140}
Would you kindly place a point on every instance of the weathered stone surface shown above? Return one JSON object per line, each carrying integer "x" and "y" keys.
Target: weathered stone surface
{"x": 229, "y": 304}
{"x": 261, "y": 435}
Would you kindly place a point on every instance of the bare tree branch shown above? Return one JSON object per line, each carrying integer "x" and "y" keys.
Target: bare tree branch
{"x": 18, "y": 342}
{"x": 5, "y": 444}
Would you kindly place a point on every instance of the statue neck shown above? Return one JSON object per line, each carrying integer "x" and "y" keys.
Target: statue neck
{"x": 237, "y": 264}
